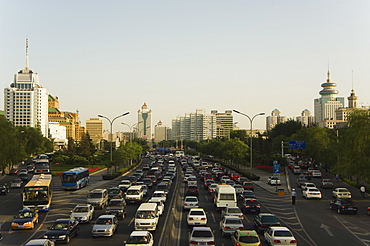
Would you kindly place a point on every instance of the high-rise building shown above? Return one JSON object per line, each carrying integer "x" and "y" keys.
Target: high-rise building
{"x": 306, "y": 118}
{"x": 26, "y": 101}
{"x": 274, "y": 119}
{"x": 160, "y": 132}
{"x": 325, "y": 107}
{"x": 94, "y": 127}
{"x": 145, "y": 122}
{"x": 224, "y": 123}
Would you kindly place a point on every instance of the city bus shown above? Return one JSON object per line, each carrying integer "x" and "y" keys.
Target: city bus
{"x": 37, "y": 194}
{"x": 42, "y": 166}
{"x": 75, "y": 178}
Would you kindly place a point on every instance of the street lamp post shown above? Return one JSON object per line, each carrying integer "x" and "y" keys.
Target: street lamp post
{"x": 111, "y": 129}
{"x": 250, "y": 136}
{"x": 131, "y": 132}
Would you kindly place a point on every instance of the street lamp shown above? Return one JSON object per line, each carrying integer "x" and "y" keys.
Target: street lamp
{"x": 250, "y": 136}
{"x": 131, "y": 132}
{"x": 111, "y": 129}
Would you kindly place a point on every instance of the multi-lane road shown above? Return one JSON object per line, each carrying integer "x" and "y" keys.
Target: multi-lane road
{"x": 311, "y": 221}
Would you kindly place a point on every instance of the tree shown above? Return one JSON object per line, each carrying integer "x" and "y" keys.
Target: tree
{"x": 286, "y": 129}
{"x": 85, "y": 147}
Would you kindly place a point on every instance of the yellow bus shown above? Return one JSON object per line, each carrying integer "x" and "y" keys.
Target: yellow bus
{"x": 37, "y": 194}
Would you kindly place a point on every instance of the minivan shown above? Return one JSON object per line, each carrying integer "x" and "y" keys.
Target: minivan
{"x": 146, "y": 217}
{"x": 98, "y": 198}
{"x": 134, "y": 194}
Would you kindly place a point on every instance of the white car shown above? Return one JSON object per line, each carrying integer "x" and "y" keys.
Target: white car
{"x": 124, "y": 184}
{"x": 316, "y": 174}
{"x": 232, "y": 211}
{"x": 279, "y": 235}
{"x": 105, "y": 226}
{"x": 202, "y": 236}
{"x": 160, "y": 194}
{"x": 197, "y": 217}
{"x": 40, "y": 242}
{"x": 142, "y": 238}
{"x": 191, "y": 202}
{"x": 308, "y": 185}
{"x": 83, "y": 213}
{"x": 311, "y": 193}
{"x": 229, "y": 224}
{"x": 273, "y": 180}
{"x": 160, "y": 204}
{"x": 238, "y": 189}
{"x": 341, "y": 193}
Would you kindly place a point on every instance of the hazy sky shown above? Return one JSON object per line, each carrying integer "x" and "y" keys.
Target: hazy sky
{"x": 109, "y": 57}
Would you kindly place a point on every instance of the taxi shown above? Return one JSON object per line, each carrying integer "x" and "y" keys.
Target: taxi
{"x": 246, "y": 238}
{"x": 25, "y": 219}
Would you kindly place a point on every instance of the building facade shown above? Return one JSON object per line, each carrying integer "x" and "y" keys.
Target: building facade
{"x": 94, "y": 126}
{"x": 160, "y": 132}
{"x": 26, "y": 101}
{"x": 274, "y": 119}
{"x": 306, "y": 118}
{"x": 224, "y": 123}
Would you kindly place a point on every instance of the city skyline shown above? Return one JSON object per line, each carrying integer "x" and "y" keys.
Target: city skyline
{"x": 253, "y": 57}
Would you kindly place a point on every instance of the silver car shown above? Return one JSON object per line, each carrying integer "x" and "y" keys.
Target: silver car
{"x": 229, "y": 224}
{"x": 105, "y": 226}
{"x": 191, "y": 202}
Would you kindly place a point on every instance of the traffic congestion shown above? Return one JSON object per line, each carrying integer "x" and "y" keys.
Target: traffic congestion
{"x": 171, "y": 200}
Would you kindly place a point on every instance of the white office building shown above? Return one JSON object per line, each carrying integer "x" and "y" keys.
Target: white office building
{"x": 26, "y": 101}
{"x": 274, "y": 119}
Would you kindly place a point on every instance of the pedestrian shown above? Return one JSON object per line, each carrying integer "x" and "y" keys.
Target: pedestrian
{"x": 294, "y": 196}
{"x": 337, "y": 176}
{"x": 362, "y": 190}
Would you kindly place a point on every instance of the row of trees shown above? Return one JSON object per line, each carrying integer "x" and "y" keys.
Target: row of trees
{"x": 345, "y": 150}
{"x": 19, "y": 143}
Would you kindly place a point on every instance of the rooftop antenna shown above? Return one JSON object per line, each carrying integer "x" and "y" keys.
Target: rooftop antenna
{"x": 352, "y": 80}
{"x": 27, "y": 66}
{"x": 328, "y": 72}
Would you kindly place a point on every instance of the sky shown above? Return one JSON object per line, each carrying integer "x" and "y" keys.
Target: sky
{"x": 109, "y": 57}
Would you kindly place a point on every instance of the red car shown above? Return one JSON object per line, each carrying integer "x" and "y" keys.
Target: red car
{"x": 208, "y": 176}
{"x": 13, "y": 171}
{"x": 234, "y": 176}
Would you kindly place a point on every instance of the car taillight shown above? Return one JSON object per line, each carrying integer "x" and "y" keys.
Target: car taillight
{"x": 277, "y": 241}
{"x": 264, "y": 226}
{"x": 241, "y": 228}
{"x": 258, "y": 206}
{"x": 227, "y": 227}
{"x": 203, "y": 219}
{"x": 293, "y": 241}
{"x": 185, "y": 204}
{"x": 211, "y": 243}
{"x": 343, "y": 206}
{"x": 246, "y": 206}
{"x": 197, "y": 204}
{"x": 237, "y": 244}
{"x": 190, "y": 218}
{"x": 192, "y": 242}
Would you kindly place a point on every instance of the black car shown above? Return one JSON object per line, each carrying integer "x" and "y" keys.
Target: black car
{"x": 23, "y": 177}
{"x": 301, "y": 180}
{"x": 114, "y": 192}
{"x": 4, "y": 189}
{"x": 343, "y": 205}
{"x": 251, "y": 205}
{"x": 62, "y": 230}
{"x": 117, "y": 207}
{"x": 148, "y": 182}
{"x": 192, "y": 190}
{"x": 263, "y": 221}
{"x": 247, "y": 194}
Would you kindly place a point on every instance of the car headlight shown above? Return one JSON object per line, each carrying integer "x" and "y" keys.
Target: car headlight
{"x": 28, "y": 223}
{"x": 62, "y": 236}
{"x": 109, "y": 230}
{"x": 84, "y": 218}
{"x": 13, "y": 223}
{"x": 45, "y": 236}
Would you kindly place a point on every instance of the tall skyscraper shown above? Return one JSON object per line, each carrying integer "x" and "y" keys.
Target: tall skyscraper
{"x": 224, "y": 123}
{"x": 325, "y": 107}
{"x": 94, "y": 127}
{"x": 145, "y": 122}
{"x": 26, "y": 101}
{"x": 160, "y": 132}
{"x": 274, "y": 119}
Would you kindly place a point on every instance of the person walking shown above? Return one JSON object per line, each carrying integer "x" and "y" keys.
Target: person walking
{"x": 362, "y": 190}
{"x": 337, "y": 176}
{"x": 294, "y": 196}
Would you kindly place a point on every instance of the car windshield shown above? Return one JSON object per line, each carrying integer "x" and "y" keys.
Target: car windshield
{"x": 233, "y": 221}
{"x": 22, "y": 215}
{"x": 138, "y": 240}
{"x": 202, "y": 234}
{"x": 103, "y": 221}
{"x": 248, "y": 239}
{"x": 80, "y": 210}
{"x": 145, "y": 215}
{"x": 114, "y": 191}
{"x": 283, "y": 234}
{"x": 59, "y": 226}
{"x": 158, "y": 195}
{"x": 342, "y": 190}
{"x": 197, "y": 212}
{"x": 114, "y": 203}
{"x": 94, "y": 195}
{"x": 269, "y": 219}
{"x": 132, "y": 192}
{"x": 233, "y": 210}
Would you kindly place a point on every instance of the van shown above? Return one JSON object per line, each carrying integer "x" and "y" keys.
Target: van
{"x": 134, "y": 194}
{"x": 146, "y": 217}
{"x": 98, "y": 198}
{"x": 225, "y": 196}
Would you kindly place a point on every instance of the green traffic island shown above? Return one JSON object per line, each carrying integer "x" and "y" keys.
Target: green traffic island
{"x": 119, "y": 172}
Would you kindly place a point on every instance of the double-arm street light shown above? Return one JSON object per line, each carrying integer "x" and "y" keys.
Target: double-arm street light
{"x": 250, "y": 135}
{"x": 111, "y": 129}
{"x": 131, "y": 132}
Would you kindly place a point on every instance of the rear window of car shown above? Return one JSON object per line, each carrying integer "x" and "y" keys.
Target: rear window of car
{"x": 248, "y": 239}
{"x": 202, "y": 234}
{"x": 197, "y": 212}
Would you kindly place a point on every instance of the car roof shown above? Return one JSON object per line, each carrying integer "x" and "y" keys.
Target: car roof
{"x": 106, "y": 216}
{"x": 281, "y": 228}
{"x": 202, "y": 228}
{"x": 139, "y": 233}
{"x": 247, "y": 233}
{"x": 36, "y": 242}
{"x": 197, "y": 209}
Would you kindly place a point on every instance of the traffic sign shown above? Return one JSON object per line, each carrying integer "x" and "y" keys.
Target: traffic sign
{"x": 297, "y": 144}
{"x": 276, "y": 168}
